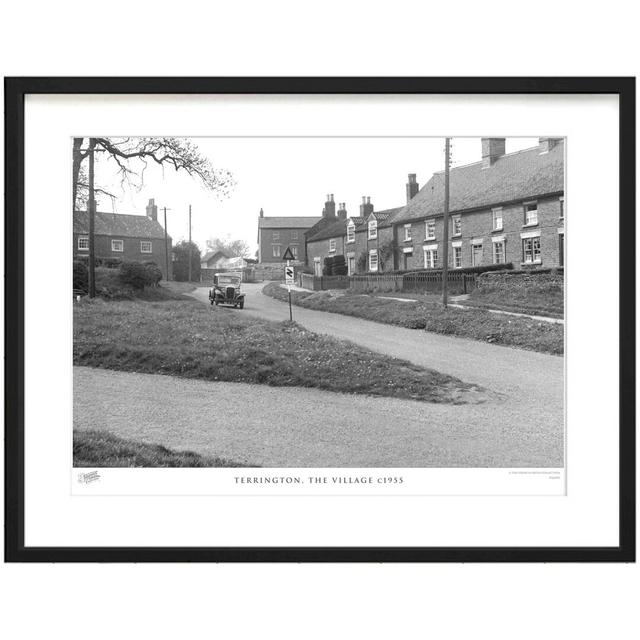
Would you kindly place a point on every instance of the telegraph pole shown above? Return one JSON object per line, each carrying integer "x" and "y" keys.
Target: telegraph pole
{"x": 189, "y": 243}
{"x": 445, "y": 235}
{"x": 166, "y": 244}
{"x": 91, "y": 205}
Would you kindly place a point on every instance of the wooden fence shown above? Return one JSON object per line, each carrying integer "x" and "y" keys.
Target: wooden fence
{"x": 417, "y": 282}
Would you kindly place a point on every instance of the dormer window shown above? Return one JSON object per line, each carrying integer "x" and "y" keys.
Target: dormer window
{"x": 373, "y": 229}
{"x": 351, "y": 232}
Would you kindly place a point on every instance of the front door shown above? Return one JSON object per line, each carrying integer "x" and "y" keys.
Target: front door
{"x": 351, "y": 264}
{"x": 317, "y": 267}
{"x": 476, "y": 255}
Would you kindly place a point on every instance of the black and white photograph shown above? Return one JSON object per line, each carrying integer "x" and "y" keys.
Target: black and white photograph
{"x": 318, "y": 302}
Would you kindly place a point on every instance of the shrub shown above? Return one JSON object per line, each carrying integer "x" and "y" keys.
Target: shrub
{"x": 135, "y": 274}
{"x": 153, "y": 274}
{"x": 80, "y": 275}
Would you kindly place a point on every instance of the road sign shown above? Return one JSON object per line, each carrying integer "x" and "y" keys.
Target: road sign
{"x": 288, "y": 255}
{"x": 288, "y": 275}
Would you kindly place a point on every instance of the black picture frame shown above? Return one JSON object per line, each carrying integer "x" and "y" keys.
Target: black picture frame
{"x": 15, "y": 91}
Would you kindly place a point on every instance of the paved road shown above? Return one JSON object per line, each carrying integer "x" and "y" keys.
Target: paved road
{"x": 308, "y": 427}
{"x": 294, "y": 427}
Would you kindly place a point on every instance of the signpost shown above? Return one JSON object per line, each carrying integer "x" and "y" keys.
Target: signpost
{"x": 288, "y": 276}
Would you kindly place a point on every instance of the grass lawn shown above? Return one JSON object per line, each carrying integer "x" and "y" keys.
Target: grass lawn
{"x": 476, "y": 324}
{"x": 102, "y": 449}
{"x": 186, "y": 338}
{"x": 541, "y": 299}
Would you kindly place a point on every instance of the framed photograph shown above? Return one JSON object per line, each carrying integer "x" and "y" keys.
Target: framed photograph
{"x": 320, "y": 319}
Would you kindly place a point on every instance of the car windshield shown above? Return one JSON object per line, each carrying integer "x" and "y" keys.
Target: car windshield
{"x": 228, "y": 280}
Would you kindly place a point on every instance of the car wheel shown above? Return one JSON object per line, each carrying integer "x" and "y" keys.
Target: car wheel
{"x": 242, "y": 304}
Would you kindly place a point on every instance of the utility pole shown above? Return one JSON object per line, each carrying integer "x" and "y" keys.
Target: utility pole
{"x": 445, "y": 235}
{"x": 166, "y": 244}
{"x": 189, "y": 243}
{"x": 91, "y": 205}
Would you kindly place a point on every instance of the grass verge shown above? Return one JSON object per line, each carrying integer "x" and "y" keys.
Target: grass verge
{"x": 540, "y": 299}
{"x": 188, "y": 339}
{"x": 476, "y": 324}
{"x": 103, "y": 449}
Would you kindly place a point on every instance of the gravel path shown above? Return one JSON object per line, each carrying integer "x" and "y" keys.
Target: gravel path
{"x": 294, "y": 427}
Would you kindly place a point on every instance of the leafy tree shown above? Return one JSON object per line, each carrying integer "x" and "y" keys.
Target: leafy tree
{"x": 233, "y": 248}
{"x": 181, "y": 261}
{"x": 385, "y": 254}
{"x": 131, "y": 156}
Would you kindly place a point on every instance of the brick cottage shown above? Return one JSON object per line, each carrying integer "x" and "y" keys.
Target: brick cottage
{"x": 123, "y": 237}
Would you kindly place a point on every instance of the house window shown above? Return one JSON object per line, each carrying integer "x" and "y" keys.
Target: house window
{"x": 332, "y": 245}
{"x": 276, "y": 235}
{"x": 562, "y": 208}
{"x": 276, "y": 250}
{"x": 531, "y": 250}
{"x": 83, "y": 243}
{"x": 497, "y": 219}
{"x": 373, "y": 260}
{"x": 117, "y": 245}
{"x": 430, "y": 258}
{"x": 373, "y": 229}
{"x": 498, "y": 252}
{"x": 407, "y": 232}
{"x": 145, "y": 246}
{"x": 351, "y": 232}
{"x": 457, "y": 257}
{"x": 294, "y": 250}
{"x": 431, "y": 229}
{"x": 531, "y": 213}
{"x": 476, "y": 254}
{"x": 294, "y": 235}
{"x": 457, "y": 226}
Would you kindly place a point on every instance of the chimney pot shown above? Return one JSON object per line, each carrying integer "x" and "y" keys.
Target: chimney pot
{"x": 152, "y": 209}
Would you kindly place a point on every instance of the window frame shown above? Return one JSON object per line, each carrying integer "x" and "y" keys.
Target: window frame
{"x": 294, "y": 234}
{"x": 332, "y": 245}
{"x": 455, "y": 234}
{"x": 83, "y": 248}
{"x": 149, "y": 242}
{"x": 527, "y": 222}
{"x": 113, "y": 242}
{"x": 407, "y": 233}
{"x": 351, "y": 231}
{"x": 273, "y": 250}
{"x": 427, "y": 235}
{"x": 372, "y": 230}
{"x": 497, "y": 211}
{"x": 504, "y": 252}
{"x": 456, "y": 252}
{"x": 432, "y": 254}
{"x": 275, "y": 235}
{"x": 294, "y": 250}
{"x": 533, "y": 260}
{"x": 374, "y": 252}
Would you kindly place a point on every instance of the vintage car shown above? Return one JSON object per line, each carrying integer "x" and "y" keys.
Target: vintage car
{"x": 226, "y": 290}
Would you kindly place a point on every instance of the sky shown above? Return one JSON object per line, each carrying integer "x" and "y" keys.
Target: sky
{"x": 286, "y": 177}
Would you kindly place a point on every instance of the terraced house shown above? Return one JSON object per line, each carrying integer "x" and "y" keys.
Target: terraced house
{"x": 506, "y": 208}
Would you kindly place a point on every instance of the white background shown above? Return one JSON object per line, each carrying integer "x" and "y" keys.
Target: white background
{"x": 351, "y": 601}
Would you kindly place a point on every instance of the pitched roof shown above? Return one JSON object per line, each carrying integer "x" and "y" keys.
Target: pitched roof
{"x": 514, "y": 176}
{"x": 357, "y": 220}
{"x": 287, "y": 222}
{"x": 212, "y": 254}
{"x": 384, "y": 217}
{"x": 334, "y": 229}
{"x": 118, "y": 224}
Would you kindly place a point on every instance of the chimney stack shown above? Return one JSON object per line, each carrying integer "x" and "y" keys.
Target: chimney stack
{"x": 546, "y": 144}
{"x": 329, "y": 210}
{"x": 412, "y": 187}
{"x": 152, "y": 210}
{"x": 342, "y": 211}
{"x": 492, "y": 149}
{"x": 366, "y": 207}
{"x": 261, "y": 213}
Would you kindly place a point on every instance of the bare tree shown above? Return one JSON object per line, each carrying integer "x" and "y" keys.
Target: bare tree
{"x": 132, "y": 156}
{"x": 233, "y": 248}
